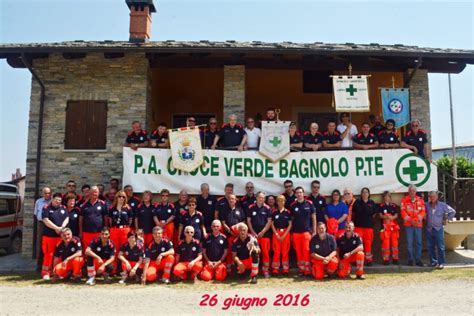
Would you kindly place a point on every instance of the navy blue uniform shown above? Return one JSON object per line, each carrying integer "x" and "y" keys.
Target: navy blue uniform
{"x": 322, "y": 247}
{"x": 160, "y": 139}
{"x": 93, "y": 216}
{"x": 361, "y": 139}
{"x": 289, "y": 200}
{"x": 259, "y": 216}
{"x": 179, "y": 211}
{"x": 246, "y": 201}
{"x": 309, "y": 138}
{"x": 302, "y": 216}
{"x": 241, "y": 249}
{"x": 319, "y": 204}
{"x": 215, "y": 246}
{"x": 363, "y": 213}
{"x": 196, "y": 220}
{"x": 188, "y": 251}
{"x": 418, "y": 140}
{"x": 63, "y": 251}
{"x": 74, "y": 221}
{"x": 56, "y": 215}
{"x": 376, "y": 129}
{"x": 139, "y": 138}
{"x": 120, "y": 217}
{"x": 155, "y": 249}
{"x": 296, "y": 139}
{"x": 233, "y": 217}
{"x": 346, "y": 245}
{"x": 144, "y": 215}
{"x": 281, "y": 220}
{"x": 385, "y": 137}
{"x": 104, "y": 252}
{"x": 207, "y": 206}
{"x": 332, "y": 138}
{"x": 231, "y": 136}
{"x": 132, "y": 254}
{"x": 164, "y": 211}
{"x": 222, "y": 208}
{"x": 207, "y": 138}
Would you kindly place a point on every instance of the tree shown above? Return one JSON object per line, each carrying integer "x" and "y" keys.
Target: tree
{"x": 465, "y": 167}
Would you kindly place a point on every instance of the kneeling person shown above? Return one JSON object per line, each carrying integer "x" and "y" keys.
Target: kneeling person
{"x": 68, "y": 256}
{"x": 100, "y": 256}
{"x": 323, "y": 252}
{"x": 245, "y": 253}
{"x": 215, "y": 253}
{"x": 131, "y": 255}
{"x": 159, "y": 256}
{"x": 188, "y": 256}
{"x": 350, "y": 250}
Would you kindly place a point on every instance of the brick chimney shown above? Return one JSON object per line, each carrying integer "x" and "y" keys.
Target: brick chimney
{"x": 140, "y": 19}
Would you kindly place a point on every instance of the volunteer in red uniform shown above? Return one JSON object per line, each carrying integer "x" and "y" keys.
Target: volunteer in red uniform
{"x": 289, "y": 193}
{"x": 336, "y": 215}
{"x": 304, "y": 226}
{"x": 144, "y": 214}
{"x": 245, "y": 253}
{"x": 188, "y": 256}
{"x": 164, "y": 215}
{"x": 233, "y": 216}
{"x": 318, "y": 200}
{"x": 271, "y": 202}
{"x": 350, "y": 250}
{"x": 222, "y": 206}
{"x": 249, "y": 198}
{"x": 365, "y": 140}
{"x": 281, "y": 227}
{"x": 133, "y": 201}
{"x": 363, "y": 214}
{"x": 331, "y": 137}
{"x": 206, "y": 204}
{"x": 193, "y": 218}
{"x": 131, "y": 255}
{"x": 137, "y": 137}
{"x": 86, "y": 195}
{"x": 416, "y": 140}
{"x": 180, "y": 209}
{"x": 323, "y": 253}
{"x": 313, "y": 139}
{"x": 296, "y": 140}
{"x": 390, "y": 231}
{"x": 259, "y": 221}
{"x": 159, "y": 137}
{"x": 120, "y": 219}
{"x": 73, "y": 212}
{"x": 159, "y": 256}
{"x": 100, "y": 257}
{"x": 68, "y": 256}
{"x": 55, "y": 218}
{"x": 413, "y": 213}
{"x": 70, "y": 190}
{"x": 92, "y": 217}
{"x": 349, "y": 199}
{"x": 388, "y": 138}
{"x": 215, "y": 254}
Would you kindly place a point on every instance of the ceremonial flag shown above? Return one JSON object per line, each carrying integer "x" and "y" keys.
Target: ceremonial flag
{"x": 351, "y": 93}
{"x": 396, "y": 105}
{"x": 186, "y": 150}
{"x": 275, "y": 141}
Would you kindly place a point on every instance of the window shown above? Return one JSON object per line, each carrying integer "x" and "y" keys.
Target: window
{"x": 317, "y": 81}
{"x": 86, "y": 125}
{"x": 7, "y": 206}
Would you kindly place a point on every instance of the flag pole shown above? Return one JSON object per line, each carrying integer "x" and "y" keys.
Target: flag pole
{"x": 453, "y": 142}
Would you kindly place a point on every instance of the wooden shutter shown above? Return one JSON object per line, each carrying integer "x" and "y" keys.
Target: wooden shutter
{"x": 86, "y": 125}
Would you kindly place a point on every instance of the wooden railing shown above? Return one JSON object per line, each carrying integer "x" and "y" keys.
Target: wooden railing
{"x": 459, "y": 193}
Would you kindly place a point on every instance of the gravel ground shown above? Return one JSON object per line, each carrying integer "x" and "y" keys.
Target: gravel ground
{"x": 447, "y": 292}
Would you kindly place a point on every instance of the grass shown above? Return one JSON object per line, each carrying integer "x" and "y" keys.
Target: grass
{"x": 380, "y": 279}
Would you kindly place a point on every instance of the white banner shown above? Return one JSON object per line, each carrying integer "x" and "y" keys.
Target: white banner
{"x": 385, "y": 169}
{"x": 186, "y": 149}
{"x": 351, "y": 93}
{"x": 275, "y": 142}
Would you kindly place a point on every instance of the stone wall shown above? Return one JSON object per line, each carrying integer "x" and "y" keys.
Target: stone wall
{"x": 122, "y": 82}
{"x": 234, "y": 92}
{"x": 420, "y": 101}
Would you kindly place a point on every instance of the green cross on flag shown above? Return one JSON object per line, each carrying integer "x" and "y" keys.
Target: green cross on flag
{"x": 275, "y": 141}
{"x": 413, "y": 170}
{"x": 351, "y": 90}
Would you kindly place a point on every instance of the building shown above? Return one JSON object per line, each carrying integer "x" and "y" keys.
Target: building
{"x": 84, "y": 95}
{"x": 464, "y": 150}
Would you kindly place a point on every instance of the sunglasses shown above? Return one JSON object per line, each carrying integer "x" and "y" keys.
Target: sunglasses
{"x": 121, "y": 197}
{"x": 212, "y": 123}
{"x": 249, "y": 187}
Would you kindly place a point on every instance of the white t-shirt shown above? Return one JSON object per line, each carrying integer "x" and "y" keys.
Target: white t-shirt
{"x": 347, "y": 141}
{"x": 253, "y": 137}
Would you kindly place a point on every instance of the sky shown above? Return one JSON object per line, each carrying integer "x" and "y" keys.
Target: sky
{"x": 438, "y": 24}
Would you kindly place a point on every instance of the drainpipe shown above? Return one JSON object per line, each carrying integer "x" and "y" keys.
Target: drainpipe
{"x": 27, "y": 64}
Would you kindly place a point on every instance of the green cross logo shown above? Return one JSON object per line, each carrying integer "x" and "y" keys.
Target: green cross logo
{"x": 275, "y": 141}
{"x": 413, "y": 170}
{"x": 410, "y": 170}
{"x": 351, "y": 90}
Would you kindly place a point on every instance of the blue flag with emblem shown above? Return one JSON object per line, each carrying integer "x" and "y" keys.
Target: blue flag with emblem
{"x": 396, "y": 105}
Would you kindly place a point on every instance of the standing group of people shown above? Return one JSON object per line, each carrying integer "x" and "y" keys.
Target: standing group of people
{"x": 211, "y": 237}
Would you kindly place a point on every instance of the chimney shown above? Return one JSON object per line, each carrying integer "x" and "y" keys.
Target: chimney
{"x": 140, "y": 19}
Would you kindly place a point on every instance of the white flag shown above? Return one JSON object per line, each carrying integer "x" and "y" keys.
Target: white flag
{"x": 275, "y": 141}
{"x": 351, "y": 93}
{"x": 186, "y": 149}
